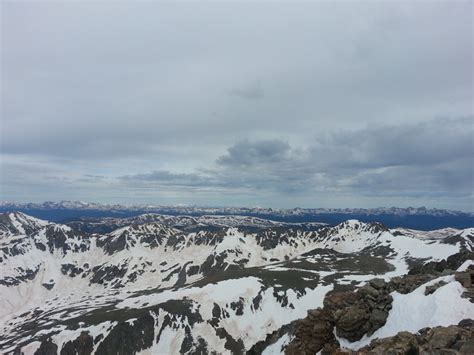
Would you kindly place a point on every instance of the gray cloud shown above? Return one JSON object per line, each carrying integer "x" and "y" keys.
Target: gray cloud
{"x": 376, "y": 161}
{"x": 422, "y": 143}
{"x": 251, "y": 153}
{"x": 263, "y": 102}
{"x": 249, "y": 92}
{"x": 168, "y": 178}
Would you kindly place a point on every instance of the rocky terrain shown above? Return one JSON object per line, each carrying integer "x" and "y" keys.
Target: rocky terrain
{"x": 349, "y": 317}
{"x": 163, "y": 284}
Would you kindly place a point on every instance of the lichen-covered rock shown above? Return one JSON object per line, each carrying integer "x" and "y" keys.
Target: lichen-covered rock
{"x": 408, "y": 283}
{"x": 454, "y": 339}
{"x": 368, "y": 312}
{"x": 312, "y": 333}
{"x": 452, "y": 262}
{"x": 464, "y": 278}
{"x": 353, "y": 322}
{"x": 402, "y": 343}
{"x": 349, "y": 314}
{"x": 431, "y": 289}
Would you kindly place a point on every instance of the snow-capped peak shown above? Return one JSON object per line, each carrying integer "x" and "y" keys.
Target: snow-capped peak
{"x": 17, "y": 223}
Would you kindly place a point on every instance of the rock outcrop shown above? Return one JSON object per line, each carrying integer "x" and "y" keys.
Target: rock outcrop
{"x": 454, "y": 339}
{"x": 83, "y": 345}
{"x": 466, "y": 278}
{"x": 409, "y": 283}
{"x": 313, "y": 332}
{"x": 451, "y": 263}
{"x": 349, "y": 314}
{"x": 368, "y": 313}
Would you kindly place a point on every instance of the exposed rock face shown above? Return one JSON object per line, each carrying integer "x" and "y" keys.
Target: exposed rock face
{"x": 421, "y": 274}
{"x": 408, "y": 283}
{"x": 201, "y": 285}
{"x": 271, "y": 338}
{"x": 129, "y": 338}
{"x": 466, "y": 278}
{"x": 402, "y": 343}
{"x": 351, "y": 314}
{"x": 455, "y": 339}
{"x": 431, "y": 289}
{"x": 83, "y": 345}
{"x": 452, "y": 263}
{"x": 313, "y": 333}
{"x": 368, "y": 313}
{"x": 47, "y": 347}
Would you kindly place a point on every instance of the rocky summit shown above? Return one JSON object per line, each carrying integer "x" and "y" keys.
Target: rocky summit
{"x": 232, "y": 284}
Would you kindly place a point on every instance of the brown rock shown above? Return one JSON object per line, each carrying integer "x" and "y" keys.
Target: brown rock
{"x": 464, "y": 278}
{"x": 443, "y": 337}
{"x": 312, "y": 333}
{"x": 431, "y": 289}
{"x": 377, "y": 283}
{"x": 338, "y": 300}
{"x": 353, "y": 323}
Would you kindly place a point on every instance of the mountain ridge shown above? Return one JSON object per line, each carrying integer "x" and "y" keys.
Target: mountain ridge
{"x": 419, "y": 218}
{"x": 205, "y": 284}
{"x": 66, "y": 204}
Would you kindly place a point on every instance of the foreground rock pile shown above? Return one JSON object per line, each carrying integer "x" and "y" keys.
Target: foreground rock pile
{"x": 455, "y": 339}
{"x": 367, "y": 313}
{"x": 351, "y": 315}
{"x": 467, "y": 280}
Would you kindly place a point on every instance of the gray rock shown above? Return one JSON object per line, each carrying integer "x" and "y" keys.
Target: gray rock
{"x": 353, "y": 323}
{"x": 464, "y": 278}
{"x": 431, "y": 289}
{"x": 377, "y": 283}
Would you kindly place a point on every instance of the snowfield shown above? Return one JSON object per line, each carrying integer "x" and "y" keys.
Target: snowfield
{"x": 414, "y": 311}
{"x": 209, "y": 283}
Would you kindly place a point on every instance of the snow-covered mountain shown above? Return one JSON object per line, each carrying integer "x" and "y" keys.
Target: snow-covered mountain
{"x": 410, "y": 217}
{"x": 198, "y": 210}
{"x": 163, "y": 284}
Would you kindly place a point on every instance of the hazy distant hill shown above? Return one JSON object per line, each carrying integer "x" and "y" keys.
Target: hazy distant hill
{"x": 418, "y": 218}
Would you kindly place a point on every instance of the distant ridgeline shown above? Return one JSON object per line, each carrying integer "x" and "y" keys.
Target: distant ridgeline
{"x": 416, "y": 218}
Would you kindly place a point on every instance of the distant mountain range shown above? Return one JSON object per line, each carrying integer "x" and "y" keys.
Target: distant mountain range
{"x": 411, "y": 217}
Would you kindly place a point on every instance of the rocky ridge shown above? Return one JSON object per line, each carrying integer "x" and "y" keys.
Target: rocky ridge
{"x": 164, "y": 284}
{"x": 352, "y": 315}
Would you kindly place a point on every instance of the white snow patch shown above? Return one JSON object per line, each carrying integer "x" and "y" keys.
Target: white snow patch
{"x": 465, "y": 265}
{"x": 414, "y": 311}
{"x": 277, "y": 347}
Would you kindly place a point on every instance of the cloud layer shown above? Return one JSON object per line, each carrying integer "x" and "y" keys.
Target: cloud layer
{"x": 428, "y": 158}
{"x": 308, "y": 104}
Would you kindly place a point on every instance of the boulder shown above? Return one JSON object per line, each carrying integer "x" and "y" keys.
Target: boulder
{"x": 352, "y": 323}
{"x": 377, "y": 283}
{"x": 454, "y": 339}
{"x": 408, "y": 283}
{"x": 464, "y": 278}
{"x": 402, "y": 343}
{"x": 431, "y": 289}
{"x": 312, "y": 333}
{"x": 443, "y": 337}
{"x": 377, "y": 319}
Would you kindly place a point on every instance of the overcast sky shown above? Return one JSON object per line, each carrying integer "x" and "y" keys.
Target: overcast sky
{"x": 323, "y": 104}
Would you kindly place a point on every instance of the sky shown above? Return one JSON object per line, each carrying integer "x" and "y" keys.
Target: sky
{"x": 275, "y": 104}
